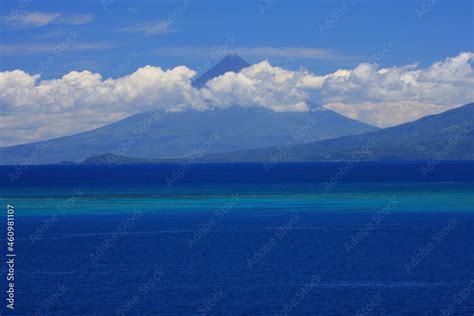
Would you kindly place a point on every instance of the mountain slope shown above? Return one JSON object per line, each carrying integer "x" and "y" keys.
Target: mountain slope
{"x": 445, "y": 136}
{"x": 191, "y": 132}
{"x": 179, "y": 134}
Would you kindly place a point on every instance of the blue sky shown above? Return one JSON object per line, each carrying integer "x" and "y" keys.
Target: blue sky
{"x": 109, "y": 34}
{"x": 78, "y": 65}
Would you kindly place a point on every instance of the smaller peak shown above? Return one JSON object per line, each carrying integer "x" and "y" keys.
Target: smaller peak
{"x": 232, "y": 56}
{"x": 234, "y": 59}
{"x": 231, "y": 62}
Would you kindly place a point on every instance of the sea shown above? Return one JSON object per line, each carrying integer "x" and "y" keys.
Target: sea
{"x": 339, "y": 238}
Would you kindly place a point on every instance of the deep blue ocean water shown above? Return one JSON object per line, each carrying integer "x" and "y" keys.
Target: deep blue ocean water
{"x": 392, "y": 238}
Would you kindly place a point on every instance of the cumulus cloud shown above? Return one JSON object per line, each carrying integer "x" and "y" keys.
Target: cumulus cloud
{"x": 440, "y": 83}
{"x": 388, "y": 113}
{"x": 382, "y": 96}
{"x": 259, "y": 85}
{"x": 146, "y": 89}
{"x": 153, "y": 88}
{"x": 82, "y": 100}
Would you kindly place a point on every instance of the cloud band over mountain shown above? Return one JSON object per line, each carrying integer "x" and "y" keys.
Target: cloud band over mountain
{"x": 84, "y": 100}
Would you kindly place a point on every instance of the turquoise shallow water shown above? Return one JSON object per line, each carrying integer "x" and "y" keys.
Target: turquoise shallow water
{"x": 433, "y": 197}
{"x": 237, "y": 240}
{"x": 40, "y": 190}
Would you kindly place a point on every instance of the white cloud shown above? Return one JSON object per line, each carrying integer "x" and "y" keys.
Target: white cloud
{"x": 388, "y": 113}
{"x": 37, "y": 19}
{"x": 145, "y": 89}
{"x": 150, "y": 28}
{"x": 381, "y": 96}
{"x": 259, "y": 85}
{"x": 438, "y": 84}
{"x": 298, "y": 52}
{"x": 152, "y": 88}
{"x": 33, "y": 19}
{"x": 24, "y": 128}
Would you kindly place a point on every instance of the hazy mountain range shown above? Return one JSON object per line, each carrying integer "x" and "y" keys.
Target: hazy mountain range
{"x": 180, "y": 135}
{"x": 251, "y": 134}
{"x": 445, "y": 136}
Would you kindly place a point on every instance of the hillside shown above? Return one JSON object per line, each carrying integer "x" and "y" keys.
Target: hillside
{"x": 445, "y": 136}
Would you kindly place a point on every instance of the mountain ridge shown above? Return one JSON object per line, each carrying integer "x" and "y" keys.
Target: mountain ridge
{"x": 458, "y": 122}
{"x": 172, "y": 135}
{"x": 426, "y": 138}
